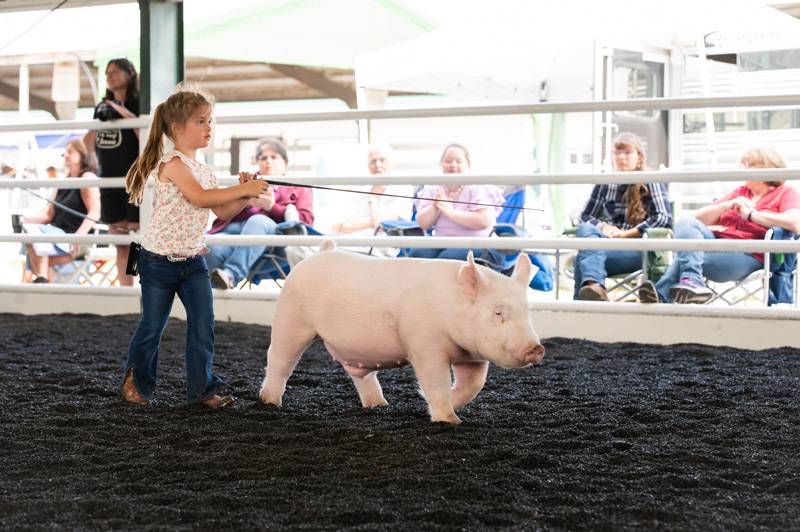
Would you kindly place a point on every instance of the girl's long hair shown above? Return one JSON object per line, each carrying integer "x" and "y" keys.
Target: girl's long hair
{"x": 176, "y": 109}
{"x": 634, "y": 195}
{"x": 88, "y": 159}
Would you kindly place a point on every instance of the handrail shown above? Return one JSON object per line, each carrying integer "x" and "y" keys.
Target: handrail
{"x": 665, "y": 176}
{"x": 639, "y": 104}
{"x": 627, "y": 244}
{"x": 589, "y": 307}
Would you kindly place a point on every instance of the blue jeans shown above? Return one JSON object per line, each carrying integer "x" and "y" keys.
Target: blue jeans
{"x": 238, "y": 260}
{"x": 718, "y": 266}
{"x": 161, "y": 280}
{"x": 454, "y": 254}
{"x": 596, "y": 265}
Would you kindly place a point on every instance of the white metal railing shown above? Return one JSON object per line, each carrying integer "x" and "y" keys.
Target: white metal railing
{"x": 671, "y": 176}
{"x": 626, "y": 244}
{"x": 439, "y": 112}
{"x": 589, "y": 307}
{"x": 435, "y": 242}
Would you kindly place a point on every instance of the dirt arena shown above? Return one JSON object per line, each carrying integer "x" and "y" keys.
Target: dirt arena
{"x": 599, "y": 437}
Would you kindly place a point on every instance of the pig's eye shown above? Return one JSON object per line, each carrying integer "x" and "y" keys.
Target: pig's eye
{"x": 499, "y": 314}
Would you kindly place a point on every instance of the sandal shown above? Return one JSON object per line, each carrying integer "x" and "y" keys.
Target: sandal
{"x": 217, "y": 401}
{"x": 129, "y": 392}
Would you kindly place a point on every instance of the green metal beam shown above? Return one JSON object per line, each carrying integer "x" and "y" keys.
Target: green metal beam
{"x": 162, "y": 59}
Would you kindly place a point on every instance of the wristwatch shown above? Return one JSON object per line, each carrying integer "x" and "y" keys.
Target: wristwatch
{"x": 750, "y": 215}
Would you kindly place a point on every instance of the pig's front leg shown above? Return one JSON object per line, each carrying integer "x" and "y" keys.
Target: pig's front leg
{"x": 369, "y": 389}
{"x": 433, "y": 375}
{"x": 469, "y": 380}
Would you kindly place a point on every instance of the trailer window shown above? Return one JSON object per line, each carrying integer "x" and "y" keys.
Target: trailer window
{"x": 744, "y": 120}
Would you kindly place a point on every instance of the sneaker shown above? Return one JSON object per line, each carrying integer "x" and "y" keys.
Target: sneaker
{"x": 592, "y": 291}
{"x": 221, "y": 279}
{"x": 38, "y": 279}
{"x": 648, "y": 293}
{"x": 690, "y": 290}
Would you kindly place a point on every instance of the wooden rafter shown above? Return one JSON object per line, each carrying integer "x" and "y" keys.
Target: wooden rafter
{"x": 318, "y": 81}
{"x": 36, "y": 102}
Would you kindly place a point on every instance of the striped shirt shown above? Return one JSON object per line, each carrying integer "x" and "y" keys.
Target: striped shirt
{"x": 606, "y": 204}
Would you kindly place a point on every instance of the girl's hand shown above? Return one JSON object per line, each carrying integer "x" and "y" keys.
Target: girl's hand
{"x": 244, "y": 177}
{"x": 74, "y": 250}
{"x": 254, "y": 188}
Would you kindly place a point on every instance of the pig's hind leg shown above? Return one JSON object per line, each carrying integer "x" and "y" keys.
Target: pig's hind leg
{"x": 289, "y": 339}
{"x": 469, "y": 380}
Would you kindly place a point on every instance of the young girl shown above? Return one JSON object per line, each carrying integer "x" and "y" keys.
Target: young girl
{"x": 618, "y": 211}
{"x": 171, "y": 260}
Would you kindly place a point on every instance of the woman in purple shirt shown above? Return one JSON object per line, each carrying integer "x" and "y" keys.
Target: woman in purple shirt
{"x": 456, "y": 219}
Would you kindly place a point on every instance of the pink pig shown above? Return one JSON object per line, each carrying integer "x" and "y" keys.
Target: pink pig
{"x": 380, "y": 313}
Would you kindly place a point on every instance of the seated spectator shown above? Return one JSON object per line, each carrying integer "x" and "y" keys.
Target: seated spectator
{"x": 618, "y": 211}
{"x": 229, "y": 265}
{"x": 59, "y": 219}
{"x": 367, "y": 212}
{"x": 457, "y": 219}
{"x": 747, "y": 212}
{"x": 364, "y": 213}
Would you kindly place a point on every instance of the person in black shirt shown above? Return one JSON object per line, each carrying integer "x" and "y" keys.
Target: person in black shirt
{"x": 116, "y": 150}
{"x": 55, "y": 219}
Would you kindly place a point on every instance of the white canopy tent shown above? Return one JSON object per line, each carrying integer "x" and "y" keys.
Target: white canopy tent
{"x": 523, "y": 50}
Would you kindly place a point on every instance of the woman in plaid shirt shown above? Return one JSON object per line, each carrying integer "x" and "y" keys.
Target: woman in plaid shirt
{"x": 618, "y": 211}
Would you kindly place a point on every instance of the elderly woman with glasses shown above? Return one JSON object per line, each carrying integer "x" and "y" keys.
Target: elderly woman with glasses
{"x": 229, "y": 265}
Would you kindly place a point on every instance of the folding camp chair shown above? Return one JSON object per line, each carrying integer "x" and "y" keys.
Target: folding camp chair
{"x": 775, "y": 283}
{"x": 273, "y": 264}
{"x": 503, "y": 260}
{"x": 399, "y": 228}
{"x": 621, "y": 287}
{"x": 95, "y": 265}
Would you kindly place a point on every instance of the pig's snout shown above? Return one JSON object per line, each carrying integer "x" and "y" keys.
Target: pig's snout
{"x": 533, "y": 354}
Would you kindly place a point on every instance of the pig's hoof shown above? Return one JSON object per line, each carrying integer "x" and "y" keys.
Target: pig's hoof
{"x": 268, "y": 402}
{"x": 452, "y": 420}
{"x": 375, "y": 404}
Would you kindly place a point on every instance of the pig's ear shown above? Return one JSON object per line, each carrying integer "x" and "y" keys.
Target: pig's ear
{"x": 470, "y": 277}
{"x": 522, "y": 270}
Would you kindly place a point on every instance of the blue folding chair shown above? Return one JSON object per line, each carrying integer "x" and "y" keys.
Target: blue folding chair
{"x": 401, "y": 228}
{"x": 783, "y": 269}
{"x": 503, "y": 260}
{"x": 273, "y": 264}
